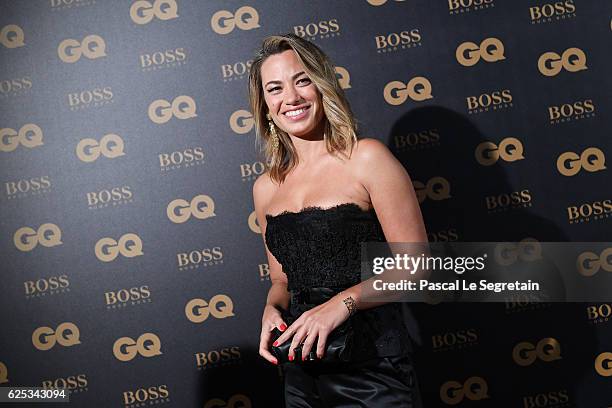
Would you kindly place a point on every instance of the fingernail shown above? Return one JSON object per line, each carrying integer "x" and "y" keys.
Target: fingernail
{"x": 275, "y": 362}
{"x": 275, "y": 343}
{"x": 283, "y": 327}
{"x": 290, "y": 358}
{"x": 319, "y": 357}
{"x": 303, "y": 358}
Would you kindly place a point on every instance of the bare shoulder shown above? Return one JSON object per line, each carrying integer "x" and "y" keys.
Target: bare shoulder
{"x": 370, "y": 151}
{"x": 263, "y": 187}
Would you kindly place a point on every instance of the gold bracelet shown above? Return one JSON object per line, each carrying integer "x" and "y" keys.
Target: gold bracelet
{"x": 350, "y": 304}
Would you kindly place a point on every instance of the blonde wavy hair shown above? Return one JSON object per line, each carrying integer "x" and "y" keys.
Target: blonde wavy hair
{"x": 340, "y": 127}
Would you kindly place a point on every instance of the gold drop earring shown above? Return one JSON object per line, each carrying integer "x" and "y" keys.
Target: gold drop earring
{"x": 273, "y": 134}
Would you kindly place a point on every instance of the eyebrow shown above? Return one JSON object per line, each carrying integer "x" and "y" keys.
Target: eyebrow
{"x": 278, "y": 82}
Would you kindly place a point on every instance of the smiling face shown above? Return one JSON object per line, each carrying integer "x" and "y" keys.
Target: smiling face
{"x": 293, "y": 101}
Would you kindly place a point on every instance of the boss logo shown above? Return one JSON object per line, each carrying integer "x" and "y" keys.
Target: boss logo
{"x": 245, "y": 18}
{"x": 323, "y": 28}
{"x": 600, "y": 312}
{"x": 548, "y": 10}
{"x": 11, "y": 36}
{"x": 71, "y": 50}
{"x": 193, "y": 259}
{"x": 548, "y": 349}
{"x": 44, "y": 285}
{"x": 525, "y": 301}
{"x": 129, "y": 245}
{"x": 180, "y": 210}
{"x": 220, "y": 307}
{"x": 47, "y": 235}
{"x": 218, "y": 357}
{"x": 235, "y": 401}
{"x": 143, "y": 12}
{"x": 474, "y": 389}
{"x": 567, "y": 110}
{"x": 415, "y": 140}
{"x": 72, "y": 383}
{"x": 490, "y": 50}
{"x": 110, "y": 146}
{"x": 510, "y": 149}
{"x": 589, "y": 263}
{"x": 572, "y": 60}
{"x": 115, "y": 195}
{"x": 159, "y": 58}
{"x": 405, "y": 39}
{"x": 456, "y": 6}
{"x": 250, "y": 171}
{"x": 418, "y": 89}
{"x": 495, "y": 100}
{"x": 135, "y": 294}
{"x": 34, "y": 185}
{"x": 527, "y": 250}
{"x": 264, "y": 272}
{"x": 29, "y": 135}
{"x": 603, "y": 364}
{"x": 84, "y": 99}
{"x": 597, "y": 209}
{"x": 548, "y": 399}
{"x": 449, "y": 235}
{"x": 235, "y": 71}
{"x": 66, "y": 334}
{"x": 591, "y": 159}
{"x": 454, "y": 339}
{"x": 241, "y": 121}
{"x": 507, "y": 200}
{"x": 182, "y": 107}
{"x": 152, "y": 395}
{"x": 147, "y": 345}
{"x": 437, "y": 188}
{"x": 15, "y": 86}
{"x": 187, "y": 157}
{"x": 344, "y": 78}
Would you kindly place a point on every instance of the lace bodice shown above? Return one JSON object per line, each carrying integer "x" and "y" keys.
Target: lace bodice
{"x": 321, "y": 247}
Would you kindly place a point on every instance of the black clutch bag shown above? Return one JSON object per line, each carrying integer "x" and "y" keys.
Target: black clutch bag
{"x": 337, "y": 348}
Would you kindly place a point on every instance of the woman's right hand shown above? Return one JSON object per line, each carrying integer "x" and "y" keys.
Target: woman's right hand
{"x": 271, "y": 319}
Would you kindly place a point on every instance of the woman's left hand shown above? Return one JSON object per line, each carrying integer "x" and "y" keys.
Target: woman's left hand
{"x": 313, "y": 324}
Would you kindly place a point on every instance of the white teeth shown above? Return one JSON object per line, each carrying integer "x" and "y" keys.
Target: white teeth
{"x": 295, "y": 112}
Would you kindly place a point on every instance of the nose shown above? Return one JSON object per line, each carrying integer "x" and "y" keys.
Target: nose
{"x": 292, "y": 95}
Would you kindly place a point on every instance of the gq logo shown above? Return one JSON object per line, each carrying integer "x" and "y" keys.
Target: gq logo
{"x": 182, "y": 107}
{"x": 591, "y": 159}
{"x": 241, "y": 121}
{"x": 437, "y": 188}
{"x": 548, "y": 349}
{"x": 490, "y": 50}
{"x": 147, "y": 345}
{"x": 510, "y": 149}
{"x": 3, "y": 373}
{"x": 344, "y": 78}
{"x": 235, "y": 401}
{"x": 29, "y": 135}
{"x": 253, "y": 224}
{"x": 589, "y": 263}
{"x": 572, "y": 60}
{"x": 11, "y": 36}
{"x": 142, "y": 12}
{"x": 474, "y": 388}
{"x": 418, "y": 89}
{"x": 198, "y": 310}
{"x": 527, "y": 249}
{"x": 110, "y": 146}
{"x": 186, "y": 209}
{"x": 245, "y": 18}
{"x": 48, "y": 235}
{"x": 92, "y": 47}
{"x": 107, "y": 249}
{"x": 67, "y": 334}
{"x": 603, "y": 364}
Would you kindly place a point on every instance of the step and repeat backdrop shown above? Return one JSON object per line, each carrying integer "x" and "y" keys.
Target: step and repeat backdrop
{"x": 133, "y": 267}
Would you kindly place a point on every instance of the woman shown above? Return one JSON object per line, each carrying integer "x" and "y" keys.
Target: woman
{"x": 323, "y": 192}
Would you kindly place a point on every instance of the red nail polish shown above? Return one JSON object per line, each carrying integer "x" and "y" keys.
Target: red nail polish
{"x": 275, "y": 343}
{"x": 274, "y": 362}
{"x": 290, "y": 358}
{"x": 283, "y": 327}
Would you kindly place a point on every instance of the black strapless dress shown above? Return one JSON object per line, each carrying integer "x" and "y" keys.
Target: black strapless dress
{"x": 320, "y": 252}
